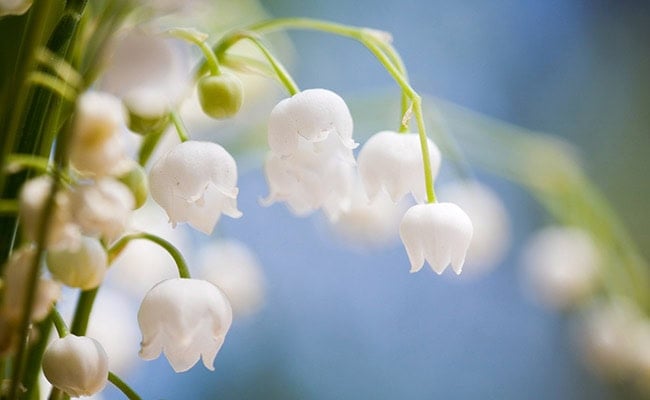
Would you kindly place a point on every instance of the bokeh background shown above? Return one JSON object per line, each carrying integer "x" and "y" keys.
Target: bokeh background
{"x": 341, "y": 323}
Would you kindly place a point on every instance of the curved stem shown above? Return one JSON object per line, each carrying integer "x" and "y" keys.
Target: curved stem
{"x": 116, "y": 249}
{"x": 278, "y": 68}
{"x": 59, "y": 323}
{"x": 123, "y": 386}
{"x": 180, "y": 127}
{"x": 198, "y": 38}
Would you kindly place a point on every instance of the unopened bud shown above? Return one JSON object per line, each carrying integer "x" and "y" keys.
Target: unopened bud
{"x": 221, "y": 96}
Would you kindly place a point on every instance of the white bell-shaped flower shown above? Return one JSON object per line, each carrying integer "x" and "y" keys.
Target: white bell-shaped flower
{"x": 77, "y": 365}
{"x": 312, "y": 115}
{"x": 63, "y": 232}
{"x": 187, "y": 319}
{"x": 489, "y": 216}
{"x": 232, "y": 266}
{"x": 103, "y": 208}
{"x": 392, "y": 162}
{"x": 96, "y": 147}
{"x": 439, "y": 233}
{"x": 15, "y": 281}
{"x": 83, "y": 267}
{"x": 150, "y": 73}
{"x": 561, "y": 266}
{"x": 14, "y": 7}
{"x": 195, "y": 182}
{"x": 370, "y": 223}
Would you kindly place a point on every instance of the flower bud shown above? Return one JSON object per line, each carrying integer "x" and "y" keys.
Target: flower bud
{"x": 77, "y": 365}
{"x": 135, "y": 178}
{"x": 83, "y": 267}
{"x": 221, "y": 96}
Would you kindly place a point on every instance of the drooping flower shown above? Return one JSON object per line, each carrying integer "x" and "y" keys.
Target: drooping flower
{"x": 561, "y": 266}
{"x": 312, "y": 115}
{"x": 439, "y": 233}
{"x": 14, "y": 7}
{"x": 15, "y": 279}
{"x": 232, "y": 266}
{"x": 148, "y": 72}
{"x": 103, "y": 207}
{"x": 63, "y": 232}
{"x": 309, "y": 180}
{"x": 195, "y": 182}
{"x": 392, "y": 162}
{"x": 96, "y": 148}
{"x": 83, "y": 267}
{"x": 186, "y": 319}
{"x": 77, "y": 365}
{"x": 368, "y": 223}
{"x": 490, "y": 220}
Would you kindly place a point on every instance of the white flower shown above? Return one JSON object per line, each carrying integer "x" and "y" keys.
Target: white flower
{"x": 187, "y": 319}
{"x": 14, "y": 7}
{"x": 78, "y": 365}
{"x": 313, "y": 115}
{"x": 307, "y": 181}
{"x": 233, "y": 267}
{"x": 103, "y": 207}
{"x": 96, "y": 147}
{"x": 439, "y": 233}
{"x": 489, "y": 217}
{"x": 148, "y": 72}
{"x": 63, "y": 233}
{"x": 607, "y": 338}
{"x": 195, "y": 182}
{"x": 83, "y": 267}
{"x": 370, "y": 223}
{"x": 560, "y": 266}
{"x": 16, "y": 275}
{"x": 392, "y": 162}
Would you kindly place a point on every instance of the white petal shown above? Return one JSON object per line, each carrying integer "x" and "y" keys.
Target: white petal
{"x": 312, "y": 114}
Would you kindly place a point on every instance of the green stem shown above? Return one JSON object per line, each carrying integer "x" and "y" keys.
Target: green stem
{"x": 54, "y": 84}
{"x": 180, "y": 127}
{"x": 198, "y": 38}
{"x": 280, "y": 71}
{"x": 384, "y": 53}
{"x": 116, "y": 249}
{"x": 123, "y": 387}
{"x": 82, "y": 312}
{"x": 8, "y": 207}
{"x": 59, "y": 323}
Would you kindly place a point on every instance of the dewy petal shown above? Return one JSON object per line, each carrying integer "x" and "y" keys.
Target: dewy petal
{"x": 195, "y": 182}
{"x": 438, "y": 232}
{"x": 392, "y": 162}
{"x": 186, "y": 319}
{"x": 314, "y": 115}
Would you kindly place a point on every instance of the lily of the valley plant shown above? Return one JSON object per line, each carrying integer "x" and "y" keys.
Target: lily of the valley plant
{"x": 92, "y": 88}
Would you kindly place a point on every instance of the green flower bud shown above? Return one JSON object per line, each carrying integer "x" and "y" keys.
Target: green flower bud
{"x": 221, "y": 96}
{"x": 143, "y": 124}
{"x": 135, "y": 178}
{"x": 82, "y": 267}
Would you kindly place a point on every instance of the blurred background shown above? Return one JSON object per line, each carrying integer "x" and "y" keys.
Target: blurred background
{"x": 343, "y": 323}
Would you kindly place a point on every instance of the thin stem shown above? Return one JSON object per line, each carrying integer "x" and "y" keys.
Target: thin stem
{"x": 116, "y": 249}
{"x": 180, "y": 127}
{"x": 82, "y": 311}
{"x": 54, "y": 84}
{"x": 198, "y": 38}
{"x": 123, "y": 386}
{"x": 280, "y": 71}
{"x": 59, "y": 323}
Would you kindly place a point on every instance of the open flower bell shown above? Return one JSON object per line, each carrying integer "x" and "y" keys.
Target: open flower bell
{"x": 312, "y": 115}
{"x": 439, "y": 233}
{"x": 392, "y": 162}
{"x": 187, "y": 319}
{"x": 195, "y": 182}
